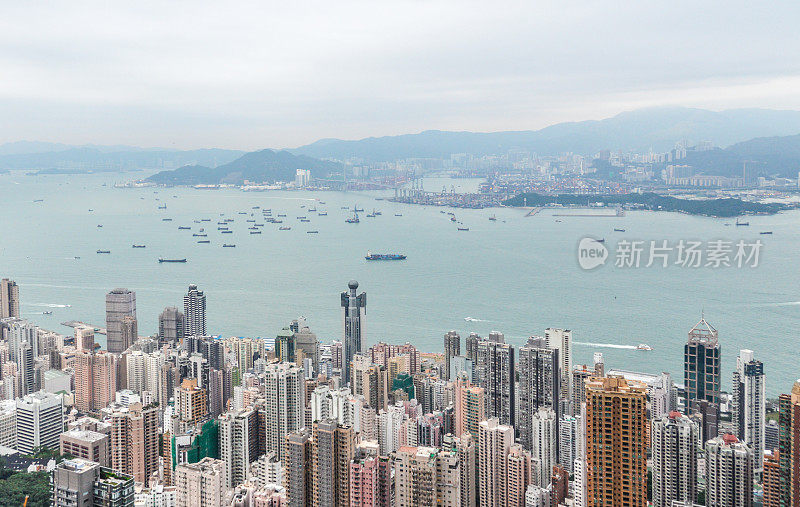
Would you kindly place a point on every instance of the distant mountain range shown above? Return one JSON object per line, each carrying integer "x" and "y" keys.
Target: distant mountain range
{"x": 764, "y": 156}
{"x": 748, "y": 134}
{"x": 257, "y": 166}
{"x": 656, "y": 128}
{"x": 24, "y": 155}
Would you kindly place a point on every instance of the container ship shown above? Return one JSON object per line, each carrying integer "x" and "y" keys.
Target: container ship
{"x": 384, "y": 257}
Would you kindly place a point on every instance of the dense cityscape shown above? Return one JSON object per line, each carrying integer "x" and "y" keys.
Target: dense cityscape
{"x": 187, "y": 418}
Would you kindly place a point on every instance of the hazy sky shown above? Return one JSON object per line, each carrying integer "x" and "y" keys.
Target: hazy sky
{"x": 276, "y": 74}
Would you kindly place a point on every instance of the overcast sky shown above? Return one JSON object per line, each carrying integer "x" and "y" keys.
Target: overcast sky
{"x": 282, "y": 74}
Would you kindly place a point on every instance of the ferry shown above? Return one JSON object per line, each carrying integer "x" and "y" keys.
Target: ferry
{"x": 226, "y": 245}
{"x": 384, "y": 257}
{"x": 137, "y": 246}
{"x": 644, "y": 346}
{"x": 104, "y": 251}
{"x": 161, "y": 259}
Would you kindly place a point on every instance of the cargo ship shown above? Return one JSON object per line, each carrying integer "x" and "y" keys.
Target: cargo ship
{"x": 384, "y": 257}
{"x": 161, "y": 259}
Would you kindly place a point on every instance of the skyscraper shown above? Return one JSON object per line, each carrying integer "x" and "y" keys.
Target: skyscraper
{"x": 134, "y": 440}
{"x": 238, "y": 444}
{"x": 729, "y": 472}
{"x": 298, "y": 468}
{"x": 470, "y": 408}
{"x": 84, "y": 338}
{"x": 701, "y": 375}
{"x": 40, "y": 421}
{"x": 95, "y": 380}
{"x": 494, "y": 372}
{"x": 561, "y": 340}
{"x": 539, "y": 385}
{"x": 519, "y": 475}
{"x": 616, "y": 442}
{"x": 674, "y": 453}
{"x": 749, "y": 406}
{"x": 371, "y": 482}
{"x": 354, "y": 316}
{"x": 284, "y": 410}
{"x": 194, "y": 309}
{"x": 171, "y": 325}
{"x": 119, "y": 303}
{"x": 545, "y": 443}
{"x": 333, "y": 448}
{"x": 306, "y": 341}
{"x": 129, "y": 328}
{"x": 426, "y": 477}
{"x": 201, "y": 484}
{"x": 79, "y": 482}
{"x": 9, "y": 299}
{"x": 494, "y": 442}
{"x": 452, "y": 348}
{"x": 789, "y": 446}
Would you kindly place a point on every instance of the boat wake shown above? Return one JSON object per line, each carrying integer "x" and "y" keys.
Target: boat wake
{"x": 49, "y": 305}
{"x": 785, "y": 303}
{"x": 606, "y": 345}
{"x": 473, "y": 319}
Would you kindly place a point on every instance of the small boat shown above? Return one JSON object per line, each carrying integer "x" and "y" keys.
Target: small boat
{"x": 166, "y": 220}
{"x": 226, "y": 245}
{"x": 644, "y": 346}
{"x": 601, "y": 240}
{"x": 398, "y": 214}
{"x": 255, "y": 232}
{"x": 197, "y": 221}
{"x": 357, "y": 209}
{"x": 301, "y": 218}
{"x": 242, "y": 212}
{"x": 184, "y": 228}
{"x": 556, "y": 221}
{"x": 281, "y": 214}
{"x": 47, "y": 312}
{"x": 77, "y": 257}
{"x": 305, "y": 220}
{"x": 463, "y": 228}
{"x": 200, "y": 235}
{"x": 312, "y": 232}
{"x": 256, "y": 207}
{"x": 322, "y": 214}
{"x": 313, "y": 210}
{"x": 284, "y": 228}
{"x": 345, "y": 207}
{"x": 205, "y": 219}
{"x": 259, "y": 225}
{"x": 741, "y": 224}
{"x": 162, "y": 206}
{"x": 371, "y": 215}
{"x": 222, "y": 228}
{"x": 277, "y": 221}
{"x": 249, "y": 221}
{"x": 137, "y": 246}
{"x": 161, "y": 259}
{"x": 376, "y": 212}
{"x": 104, "y": 251}
{"x": 765, "y": 232}
{"x": 204, "y": 241}
{"x": 384, "y": 257}
{"x": 227, "y": 232}
{"x": 99, "y": 226}
{"x": 39, "y": 200}
{"x": 619, "y": 230}
{"x": 91, "y": 210}
{"x": 493, "y": 218}
{"x": 254, "y": 228}
{"x": 453, "y": 218}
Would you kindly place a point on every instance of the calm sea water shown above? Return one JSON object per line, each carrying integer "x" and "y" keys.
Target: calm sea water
{"x": 517, "y": 275}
